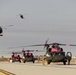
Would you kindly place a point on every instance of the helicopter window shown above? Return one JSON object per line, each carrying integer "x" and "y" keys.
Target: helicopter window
{"x": 57, "y": 53}
{"x": 15, "y": 55}
{"x": 54, "y": 50}
{"x": 28, "y": 54}
{"x": 49, "y": 49}
{"x": 61, "y": 49}
{"x": 62, "y": 53}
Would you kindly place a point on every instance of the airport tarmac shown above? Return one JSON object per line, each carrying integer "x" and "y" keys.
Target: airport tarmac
{"x": 38, "y": 69}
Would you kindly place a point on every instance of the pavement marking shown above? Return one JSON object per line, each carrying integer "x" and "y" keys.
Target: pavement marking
{"x": 3, "y": 72}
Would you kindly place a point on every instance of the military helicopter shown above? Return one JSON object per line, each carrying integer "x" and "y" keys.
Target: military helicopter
{"x": 28, "y": 56}
{"x": 1, "y": 29}
{"x": 21, "y": 16}
{"x": 15, "y": 57}
{"x": 55, "y": 53}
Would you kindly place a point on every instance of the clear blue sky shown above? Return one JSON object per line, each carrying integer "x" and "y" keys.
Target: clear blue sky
{"x": 53, "y": 19}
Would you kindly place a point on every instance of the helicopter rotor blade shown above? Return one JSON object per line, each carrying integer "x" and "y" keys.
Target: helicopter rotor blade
{"x": 63, "y": 44}
{"x": 27, "y": 46}
{"x": 68, "y": 44}
{"x": 34, "y": 50}
{"x": 46, "y": 45}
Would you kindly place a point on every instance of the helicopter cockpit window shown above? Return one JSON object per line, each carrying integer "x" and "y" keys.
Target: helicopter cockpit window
{"x": 53, "y": 50}
{"x": 15, "y": 55}
{"x": 28, "y": 54}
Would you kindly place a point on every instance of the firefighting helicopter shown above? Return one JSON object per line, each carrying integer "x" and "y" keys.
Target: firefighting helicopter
{"x": 1, "y": 29}
{"x": 55, "y": 53}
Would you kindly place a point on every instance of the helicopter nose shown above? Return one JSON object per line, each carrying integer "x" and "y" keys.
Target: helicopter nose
{"x": 1, "y": 30}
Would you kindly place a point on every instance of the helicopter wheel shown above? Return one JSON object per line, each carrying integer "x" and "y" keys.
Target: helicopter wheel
{"x": 48, "y": 62}
{"x": 12, "y": 61}
{"x": 68, "y": 62}
{"x": 33, "y": 61}
{"x": 20, "y": 61}
{"x": 64, "y": 62}
{"x": 24, "y": 61}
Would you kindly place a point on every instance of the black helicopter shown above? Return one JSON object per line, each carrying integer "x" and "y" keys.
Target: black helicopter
{"x": 56, "y": 54}
{"x": 15, "y": 57}
{"x": 28, "y": 56}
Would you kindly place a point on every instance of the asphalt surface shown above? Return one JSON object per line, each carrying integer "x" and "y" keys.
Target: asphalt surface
{"x": 38, "y": 69}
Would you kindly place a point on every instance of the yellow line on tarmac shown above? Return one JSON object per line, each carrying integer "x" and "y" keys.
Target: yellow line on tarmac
{"x": 3, "y": 72}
